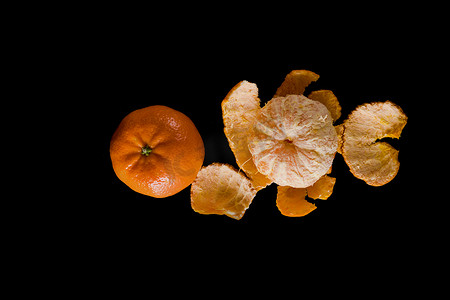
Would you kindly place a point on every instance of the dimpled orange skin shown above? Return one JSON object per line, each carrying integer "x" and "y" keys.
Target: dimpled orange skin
{"x": 157, "y": 151}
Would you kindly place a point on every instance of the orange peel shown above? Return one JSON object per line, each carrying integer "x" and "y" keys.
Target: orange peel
{"x": 327, "y": 98}
{"x": 322, "y": 188}
{"x": 291, "y": 202}
{"x": 296, "y": 82}
{"x": 373, "y": 161}
{"x": 220, "y": 189}
{"x": 239, "y": 110}
{"x": 293, "y": 141}
{"x": 340, "y": 133}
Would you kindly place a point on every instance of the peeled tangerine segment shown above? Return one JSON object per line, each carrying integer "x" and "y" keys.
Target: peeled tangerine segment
{"x": 296, "y": 82}
{"x": 220, "y": 189}
{"x": 374, "y": 162}
{"x": 291, "y": 202}
{"x": 239, "y": 109}
{"x": 293, "y": 141}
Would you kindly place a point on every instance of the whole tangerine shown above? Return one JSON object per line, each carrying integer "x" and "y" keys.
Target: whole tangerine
{"x": 157, "y": 151}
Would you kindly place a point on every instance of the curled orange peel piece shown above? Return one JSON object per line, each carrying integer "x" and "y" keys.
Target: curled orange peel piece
{"x": 296, "y": 82}
{"x": 330, "y": 101}
{"x": 239, "y": 110}
{"x": 340, "y": 134}
{"x": 371, "y": 160}
{"x": 322, "y": 188}
{"x": 291, "y": 202}
{"x": 222, "y": 190}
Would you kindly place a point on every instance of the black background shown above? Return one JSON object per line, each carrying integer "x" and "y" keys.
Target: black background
{"x": 109, "y": 64}
{"x": 193, "y": 74}
{"x": 88, "y": 67}
{"x": 376, "y": 224}
{"x": 124, "y": 65}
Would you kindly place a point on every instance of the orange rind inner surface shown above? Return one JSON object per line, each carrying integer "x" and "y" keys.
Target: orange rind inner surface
{"x": 291, "y": 202}
{"x": 239, "y": 110}
{"x": 373, "y": 161}
{"x": 220, "y": 189}
{"x": 340, "y": 134}
{"x": 322, "y": 189}
{"x": 293, "y": 141}
{"x": 330, "y": 101}
{"x": 296, "y": 82}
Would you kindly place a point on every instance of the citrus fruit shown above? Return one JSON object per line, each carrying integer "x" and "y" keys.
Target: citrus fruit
{"x": 371, "y": 160}
{"x": 157, "y": 151}
{"x": 220, "y": 189}
{"x": 293, "y": 141}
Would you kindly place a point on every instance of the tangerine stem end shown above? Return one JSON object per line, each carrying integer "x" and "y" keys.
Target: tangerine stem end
{"x": 146, "y": 150}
